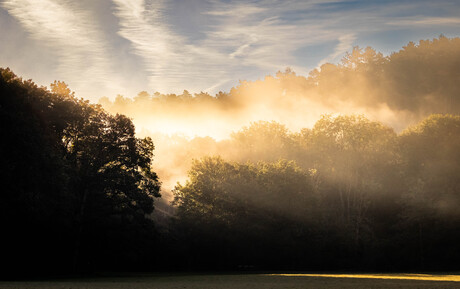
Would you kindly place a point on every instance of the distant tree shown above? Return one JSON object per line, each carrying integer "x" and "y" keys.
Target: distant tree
{"x": 203, "y": 96}
{"x": 121, "y": 101}
{"x": 264, "y": 203}
{"x": 351, "y": 155}
{"x": 142, "y": 97}
{"x": 262, "y": 140}
{"x": 186, "y": 96}
{"x": 423, "y": 77}
{"x": 430, "y": 153}
{"x": 360, "y": 58}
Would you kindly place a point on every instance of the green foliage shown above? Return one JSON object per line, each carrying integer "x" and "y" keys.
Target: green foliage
{"x": 424, "y": 76}
{"x": 219, "y": 190}
{"x": 231, "y": 207}
{"x": 419, "y": 80}
{"x": 360, "y": 192}
{"x": 347, "y": 193}
{"x": 263, "y": 140}
{"x": 430, "y": 153}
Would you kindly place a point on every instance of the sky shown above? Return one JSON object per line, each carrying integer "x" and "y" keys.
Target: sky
{"x": 109, "y": 47}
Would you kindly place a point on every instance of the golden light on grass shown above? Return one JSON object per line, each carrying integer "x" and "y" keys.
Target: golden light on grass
{"x": 422, "y": 277}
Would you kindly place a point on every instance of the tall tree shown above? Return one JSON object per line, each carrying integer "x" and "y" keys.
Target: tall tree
{"x": 430, "y": 153}
{"x": 351, "y": 155}
{"x": 73, "y": 169}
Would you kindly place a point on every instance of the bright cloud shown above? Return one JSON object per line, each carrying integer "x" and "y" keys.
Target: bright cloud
{"x": 68, "y": 31}
{"x": 170, "y": 60}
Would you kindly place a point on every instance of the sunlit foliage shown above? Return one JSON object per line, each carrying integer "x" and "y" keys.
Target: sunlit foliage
{"x": 358, "y": 193}
{"x": 398, "y": 89}
{"x": 290, "y": 188}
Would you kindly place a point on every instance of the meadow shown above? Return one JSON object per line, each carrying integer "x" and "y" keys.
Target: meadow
{"x": 240, "y": 281}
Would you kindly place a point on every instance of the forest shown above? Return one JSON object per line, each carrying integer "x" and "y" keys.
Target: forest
{"x": 355, "y": 167}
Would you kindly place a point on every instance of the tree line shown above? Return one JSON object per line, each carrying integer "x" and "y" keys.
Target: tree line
{"x": 414, "y": 82}
{"x": 77, "y": 185}
{"x": 347, "y": 194}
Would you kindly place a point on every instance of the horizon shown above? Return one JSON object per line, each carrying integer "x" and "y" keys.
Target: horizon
{"x": 123, "y": 47}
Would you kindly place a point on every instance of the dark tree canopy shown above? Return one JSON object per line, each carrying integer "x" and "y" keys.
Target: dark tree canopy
{"x": 71, "y": 174}
{"x": 349, "y": 193}
{"x": 355, "y": 195}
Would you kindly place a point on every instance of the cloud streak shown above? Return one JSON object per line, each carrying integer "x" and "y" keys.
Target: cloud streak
{"x": 68, "y": 31}
{"x": 425, "y": 21}
{"x": 345, "y": 44}
{"x": 169, "y": 59}
{"x": 124, "y": 46}
{"x": 240, "y": 37}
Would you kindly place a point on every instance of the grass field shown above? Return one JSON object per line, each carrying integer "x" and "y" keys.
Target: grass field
{"x": 272, "y": 281}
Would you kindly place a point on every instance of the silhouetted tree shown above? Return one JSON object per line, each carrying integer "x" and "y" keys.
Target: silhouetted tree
{"x": 72, "y": 173}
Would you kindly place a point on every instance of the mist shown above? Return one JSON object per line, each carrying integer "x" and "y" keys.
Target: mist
{"x": 353, "y": 167}
{"x": 397, "y": 90}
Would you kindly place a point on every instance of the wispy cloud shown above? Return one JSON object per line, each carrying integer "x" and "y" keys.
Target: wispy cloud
{"x": 171, "y": 61}
{"x": 425, "y": 21}
{"x": 70, "y": 33}
{"x": 241, "y": 37}
{"x": 267, "y": 39}
{"x": 241, "y": 10}
{"x": 227, "y": 40}
{"x": 345, "y": 44}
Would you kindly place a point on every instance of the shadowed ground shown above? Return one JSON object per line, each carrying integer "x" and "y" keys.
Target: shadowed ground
{"x": 304, "y": 281}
